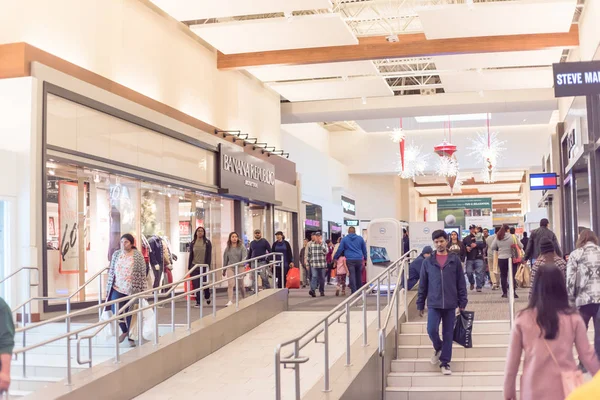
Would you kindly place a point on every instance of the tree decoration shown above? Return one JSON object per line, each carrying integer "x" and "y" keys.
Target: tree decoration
{"x": 415, "y": 163}
{"x": 488, "y": 148}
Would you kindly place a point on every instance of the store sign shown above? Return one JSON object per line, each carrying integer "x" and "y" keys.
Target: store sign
{"x": 246, "y": 176}
{"x": 576, "y": 79}
{"x": 348, "y": 205}
{"x": 312, "y": 223}
{"x": 351, "y": 222}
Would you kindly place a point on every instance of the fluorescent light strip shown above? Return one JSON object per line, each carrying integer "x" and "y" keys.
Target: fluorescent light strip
{"x": 453, "y": 118}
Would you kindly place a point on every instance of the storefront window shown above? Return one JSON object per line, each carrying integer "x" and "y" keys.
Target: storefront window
{"x": 583, "y": 200}
{"x": 255, "y": 218}
{"x": 283, "y": 223}
{"x": 101, "y": 207}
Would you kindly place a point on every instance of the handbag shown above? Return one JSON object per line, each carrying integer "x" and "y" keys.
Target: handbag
{"x": 571, "y": 380}
{"x": 516, "y": 252}
{"x": 463, "y": 329}
{"x": 108, "y": 331}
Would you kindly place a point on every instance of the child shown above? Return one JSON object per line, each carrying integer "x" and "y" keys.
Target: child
{"x": 342, "y": 272}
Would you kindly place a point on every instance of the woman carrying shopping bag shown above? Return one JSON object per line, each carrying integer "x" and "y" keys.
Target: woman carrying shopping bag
{"x": 126, "y": 277}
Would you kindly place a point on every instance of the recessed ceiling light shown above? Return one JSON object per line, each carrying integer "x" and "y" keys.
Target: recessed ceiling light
{"x": 524, "y": 119}
{"x": 453, "y": 118}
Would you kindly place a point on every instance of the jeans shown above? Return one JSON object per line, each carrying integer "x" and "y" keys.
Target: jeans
{"x": 447, "y": 317}
{"x": 264, "y": 275}
{"x": 478, "y": 267}
{"x": 592, "y": 311}
{"x": 280, "y": 281}
{"x": 205, "y": 281}
{"x": 318, "y": 279}
{"x": 114, "y": 295}
{"x": 503, "y": 265}
{"x": 329, "y": 269}
{"x": 355, "y": 270}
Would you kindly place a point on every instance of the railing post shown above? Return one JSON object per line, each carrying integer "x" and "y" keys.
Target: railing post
{"x": 364, "y": 310}
{"x": 155, "y": 318}
{"x": 389, "y": 289}
{"x": 397, "y": 321}
{"x": 326, "y": 354}
{"x": 188, "y": 307}
{"x": 406, "y": 290}
{"x": 378, "y": 303}
{"x": 277, "y": 374}
{"x": 68, "y": 322}
{"x": 282, "y": 270}
{"x": 140, "y": 323}
{"x": 348, "y": 334}
{"x": 297, "y": 370}
{"x": 214, "y": 293}
{"x": 29, "y": 291}
{"x": 200, "y": 292}
{"x": 99, "y": 297}
{"x": 256, "y": 277}
{"x": 116, "y": 330}
{"x": 236, "y": 281}
{"x": 23, "y": 318}
{"x": 172, "y": 310}
{"x": 511, "y": 295}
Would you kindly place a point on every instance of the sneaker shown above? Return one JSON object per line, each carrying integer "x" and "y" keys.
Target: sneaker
{"x": 330, "y": 284}
{"x": 504, "y": 296}
{"x": 337, "y": 292}
{"x": 445, "y": 368}
{"x": 196, "y": 305}
{"x": 229, "y": 303}
{"x": 322, "y": 294}
{"x": 479, "y": 290}
{"x": 312, "y": 293}
{"x": 436, "y": 357}
{"x": 516, "y": 297}
{"x": 208, "y": 302}
{"x": 472, "y": 286}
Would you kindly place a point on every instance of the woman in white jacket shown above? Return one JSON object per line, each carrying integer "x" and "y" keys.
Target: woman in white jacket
{"x": 503, "y": 243}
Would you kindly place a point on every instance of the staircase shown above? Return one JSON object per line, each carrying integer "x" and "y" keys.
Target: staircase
{"x": 48, "y": 364}
{"x": 477, "y": 373}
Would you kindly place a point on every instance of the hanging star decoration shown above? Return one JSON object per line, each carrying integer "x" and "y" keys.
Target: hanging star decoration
{"x": 415, "y": 163}
{"x": 488, "y": 148}
{"x": 397, "y": 135}
{"x": 447, "y": 166}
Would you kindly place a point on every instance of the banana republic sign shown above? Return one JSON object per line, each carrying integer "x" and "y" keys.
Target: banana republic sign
{"x": 246, "y": 176}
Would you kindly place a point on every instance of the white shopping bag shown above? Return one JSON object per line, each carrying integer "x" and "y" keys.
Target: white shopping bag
{"x": 248, "y": 280}
{"x": 147, "y": 325}
{"x": 108, "y": 331}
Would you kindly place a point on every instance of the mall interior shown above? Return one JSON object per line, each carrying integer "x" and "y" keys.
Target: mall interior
{"x": 385, "y": 119}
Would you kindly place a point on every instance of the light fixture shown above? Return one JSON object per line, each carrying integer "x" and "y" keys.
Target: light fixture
{"x": 452, "y": 118}
{"x": 52, "y": 172}
{"x": 364, "y": 100}
{"x": 96, "y": 177}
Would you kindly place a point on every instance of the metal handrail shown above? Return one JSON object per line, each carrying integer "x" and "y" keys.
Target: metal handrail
{"x": 19, "y": 270}
{"x": 155, "y": 292}
{"x": 511, "y": 296}
{"x": 29, "y": 284}
{"x": 322, "y": 327}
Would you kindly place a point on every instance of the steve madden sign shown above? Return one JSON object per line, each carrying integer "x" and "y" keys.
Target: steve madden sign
{"x": 246, "y": 176}
{"x": 576, "y": 79}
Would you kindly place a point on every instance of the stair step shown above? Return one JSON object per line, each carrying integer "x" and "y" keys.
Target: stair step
{"x": 478, "y": 338}
{"x": 435, "y": 379}
{"x": 445, "y": 393}
{"x": 477, "y": 351}
{"x": 32, "y": 383}
{"x": 478, "y": 327}
{"x": 488, "y": 364}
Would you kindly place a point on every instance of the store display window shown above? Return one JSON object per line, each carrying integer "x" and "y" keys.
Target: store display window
{"x": 255, "y": 217}
{"x": 100, "y": 207}
{"x": 284, "y": 222}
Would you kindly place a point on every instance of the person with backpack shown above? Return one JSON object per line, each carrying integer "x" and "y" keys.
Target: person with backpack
{"x": 547, "y": 256}
{"x": 354, "y": 248}
{"x": 504, "y": 244}
{"x": 545, "y": 333}
{"x": 7, "y": 344}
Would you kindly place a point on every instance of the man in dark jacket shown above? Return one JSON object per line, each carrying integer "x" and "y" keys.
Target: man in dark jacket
{"x": 354, "y": 248}
{"x": 475, "y": 266}
{"x": 532, "y": 252}
{"x": 7, "y": 344}
{"x": 405, "y": 241}
{"x": 443, "y": 286}
{"x": 414, "y": 270}
{"x": 258, "y": 248}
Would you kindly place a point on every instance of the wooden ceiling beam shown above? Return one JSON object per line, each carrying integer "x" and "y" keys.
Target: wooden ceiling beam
{"x": 410, "y": 45}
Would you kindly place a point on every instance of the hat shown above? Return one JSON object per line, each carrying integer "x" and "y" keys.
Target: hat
{"x": 257, "y": 231}
{"x": 317, "y": 233}
{"x": 427, "y": 250}
{"x": 546, "y": 246}
{"x": 472, "y": 227}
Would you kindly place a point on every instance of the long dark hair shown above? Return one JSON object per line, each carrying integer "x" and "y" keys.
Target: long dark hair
{"x": 229, "y": 244}
{"x": 549, "y": 298}
{"x": 502, "y": 232}
{"x": 196, "y": 235}
{"x": 129, "y": 237}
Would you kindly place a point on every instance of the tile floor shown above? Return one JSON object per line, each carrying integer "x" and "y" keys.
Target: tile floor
{"x": 244, "y": 369}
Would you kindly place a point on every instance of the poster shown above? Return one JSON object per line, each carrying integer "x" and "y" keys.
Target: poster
{"x": 461, "y": 213}
{"x": 384, "y": 245}
{"x": 420, "y": 234}
{"x": 67, "y": 227}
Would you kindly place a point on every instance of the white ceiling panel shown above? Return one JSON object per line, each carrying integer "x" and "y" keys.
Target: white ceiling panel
{"x": 187, "y": 10}
{"x": 307, "y": 31}
{"x": 503, "y": 79}
{"x": 497, "y": 60}
{"x": 497, "y": 18}
{"x": 276, "y": 73}
{"x": 328, "y": 89}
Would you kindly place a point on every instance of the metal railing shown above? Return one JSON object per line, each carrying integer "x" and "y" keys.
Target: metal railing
{"x": 29, "y": 284}
{"x": 396, "y": 308}
{"x": 322, "y": 327}
{"x": 259, "y": 263}
{"x": 511, "y": 295}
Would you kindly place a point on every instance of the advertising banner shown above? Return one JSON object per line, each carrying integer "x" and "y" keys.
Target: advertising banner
{"x": 420, "y": 233}
{"x": 67, "y": 227}
{"x": 460, "y": 213}
{"x": 384, "y": 245}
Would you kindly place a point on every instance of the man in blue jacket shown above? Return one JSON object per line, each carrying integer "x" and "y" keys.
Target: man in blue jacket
{"x": 354, "y": 248}
{"x": 414, "y": 270}
{"x": 443, "y": 286}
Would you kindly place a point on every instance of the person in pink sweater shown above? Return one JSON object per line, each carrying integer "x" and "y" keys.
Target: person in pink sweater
{"x": 548, "y": 324}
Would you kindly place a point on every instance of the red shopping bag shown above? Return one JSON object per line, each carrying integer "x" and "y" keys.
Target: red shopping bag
{"x": 293, "y": 279}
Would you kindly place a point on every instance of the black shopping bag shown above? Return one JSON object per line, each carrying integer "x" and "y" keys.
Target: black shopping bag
{"x": 463, "y": 329}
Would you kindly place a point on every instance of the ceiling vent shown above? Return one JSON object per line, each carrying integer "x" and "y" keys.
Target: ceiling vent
{"x": 428, "y": 91}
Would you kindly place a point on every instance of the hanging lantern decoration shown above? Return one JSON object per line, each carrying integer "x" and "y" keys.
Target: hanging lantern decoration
{"x": 488, "y": 148}
{"x": 447, "y": 164}
{"x": 398, "y": 136}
